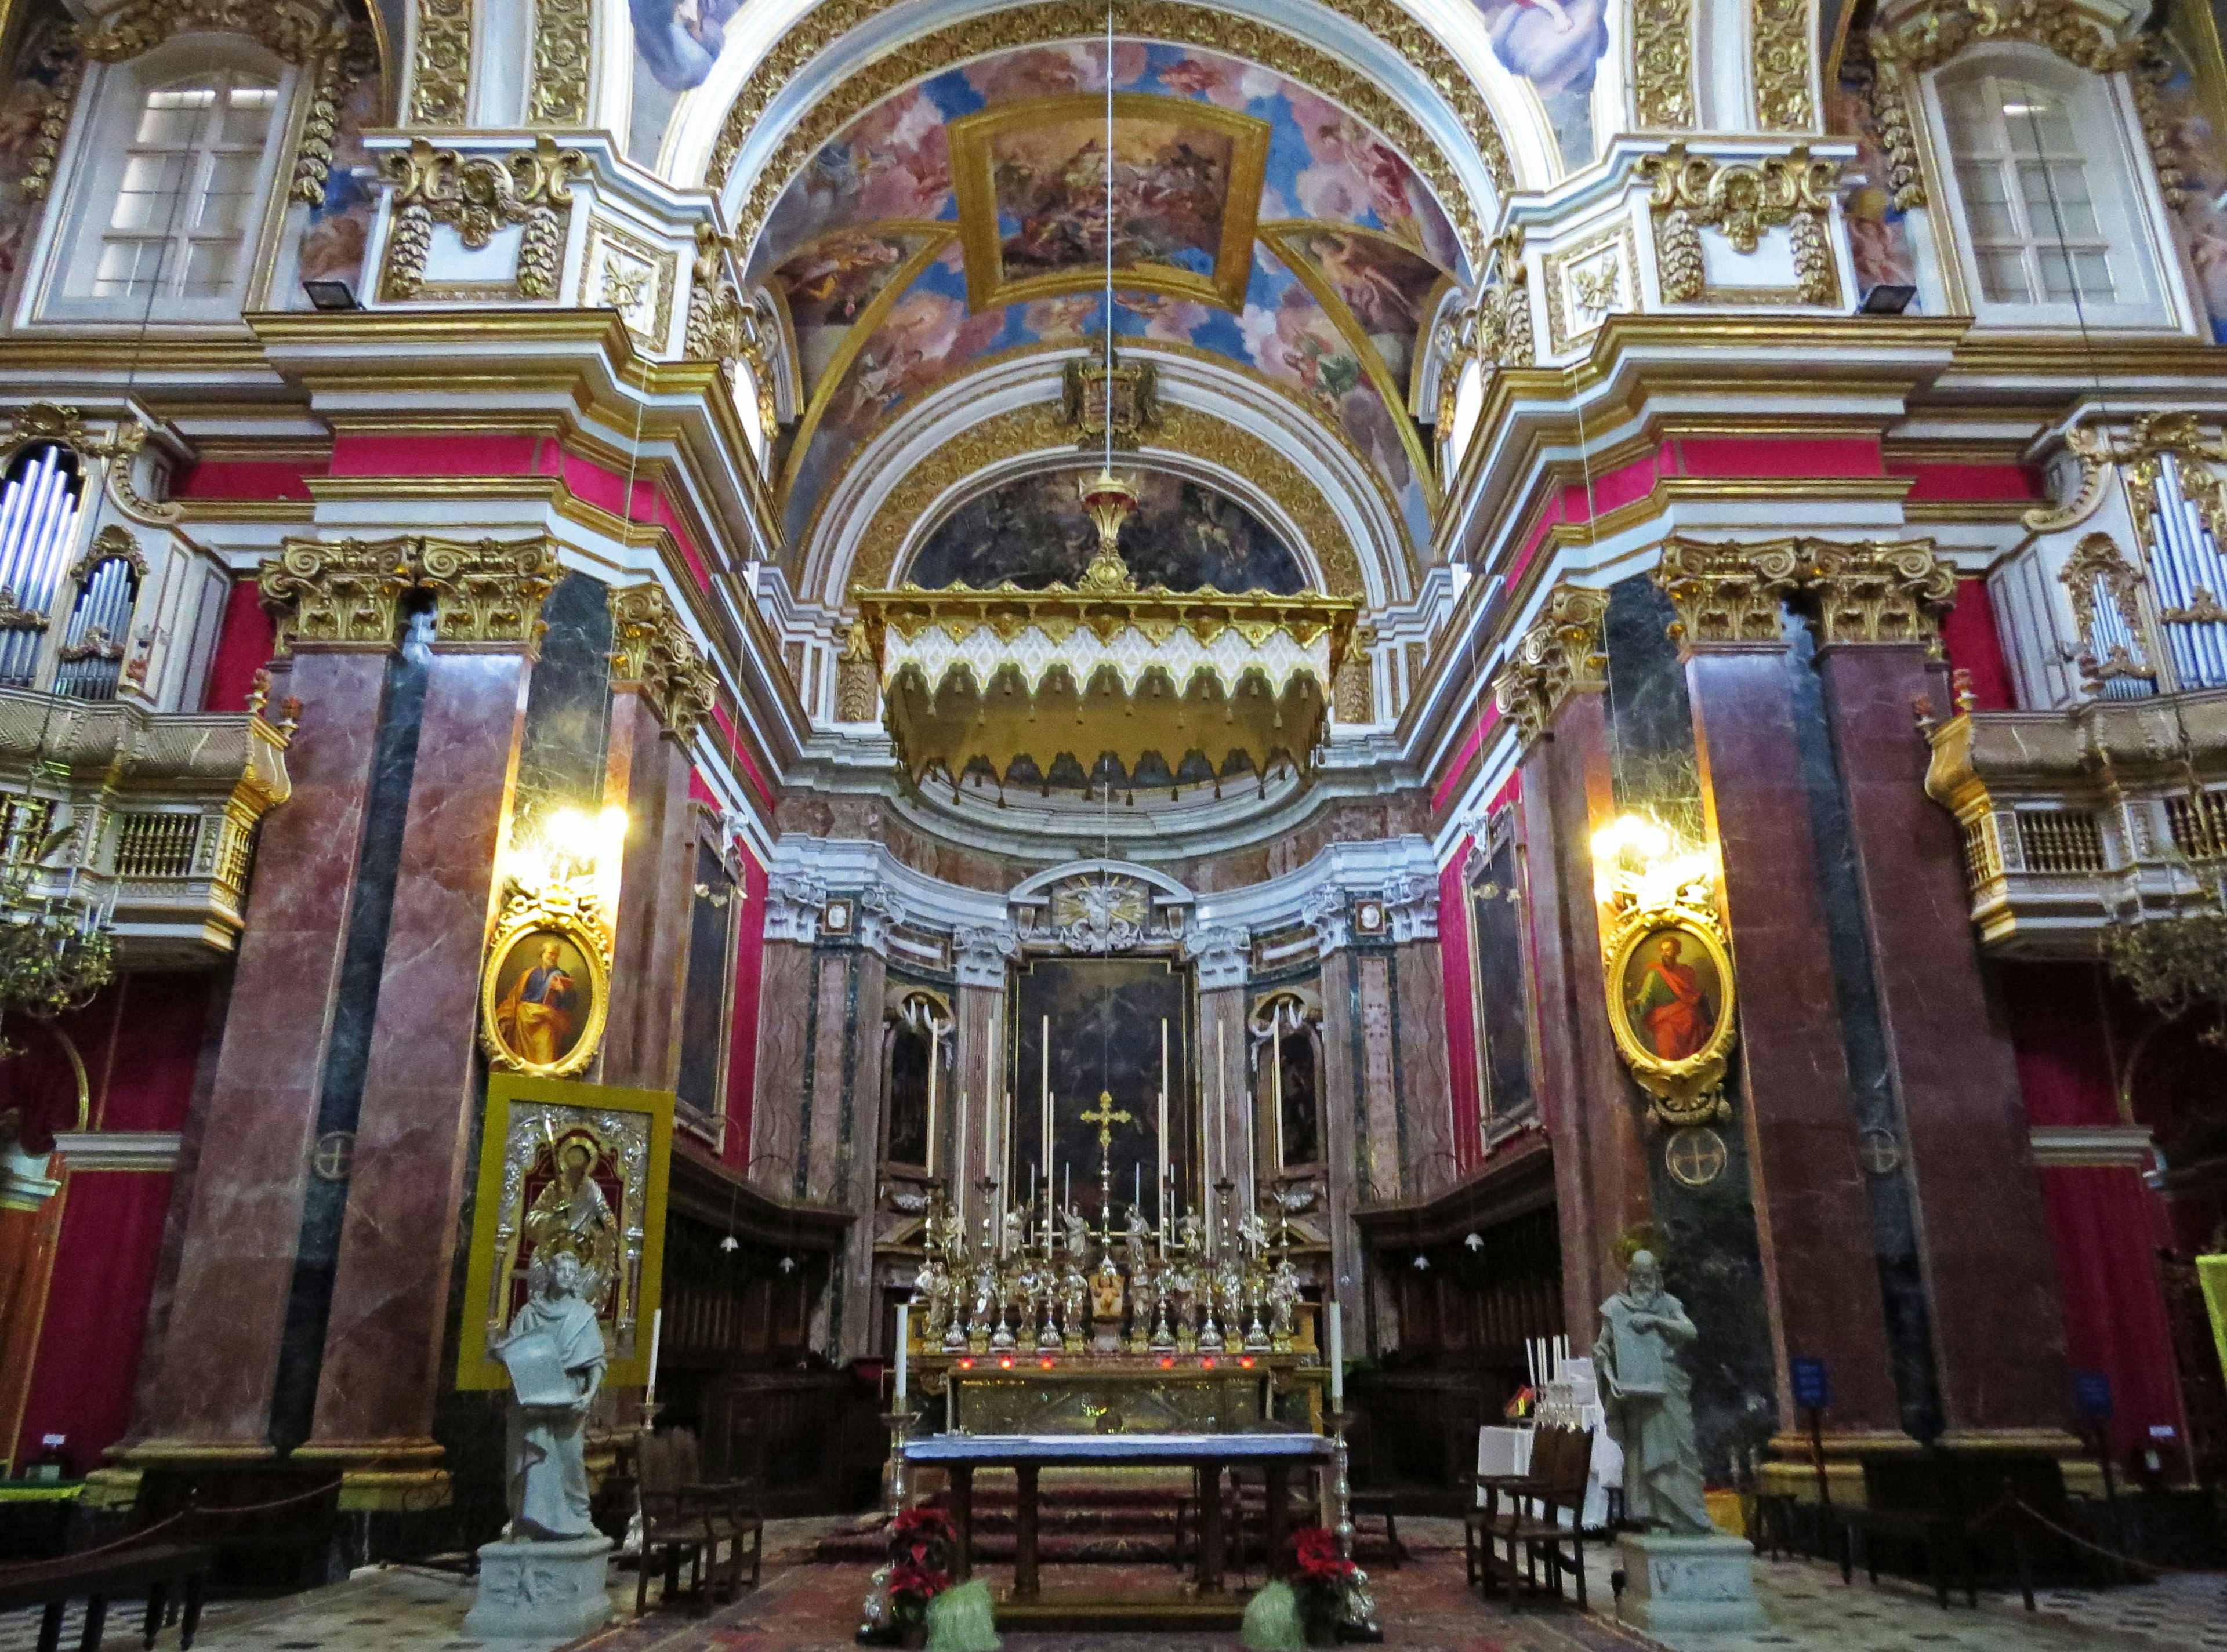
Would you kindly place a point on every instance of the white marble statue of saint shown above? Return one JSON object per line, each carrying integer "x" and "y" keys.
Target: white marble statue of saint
{"x": 1644, "y": 1328}
{"x": 548, "y": 1483}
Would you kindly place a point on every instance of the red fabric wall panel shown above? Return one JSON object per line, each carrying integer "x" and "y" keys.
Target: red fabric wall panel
{"x": 2115, "y": 1321}
{"x": 1970, "y": 640}
{"x": 96, "y": 1319}
{"x": 243, "y": 646}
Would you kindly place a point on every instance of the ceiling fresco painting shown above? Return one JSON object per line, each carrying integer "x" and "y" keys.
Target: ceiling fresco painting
{"x": 1556, "y": 46}
{"x": 1255, "y": 223}
{"x": 1034, "y": 531}
{"x": 1030, "y": 179}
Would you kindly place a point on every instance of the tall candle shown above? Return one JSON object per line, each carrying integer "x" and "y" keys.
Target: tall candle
{"x": 1161, "y": 1191}
{"x": 1276, "y": 1086}
{"x": 1046, "y": 1142}
{"x": 656, "y": 1336}
{"x": 934, "y": 1051}
{"x": 1336, "y": 1358}
{"x": 904, "y": 1340}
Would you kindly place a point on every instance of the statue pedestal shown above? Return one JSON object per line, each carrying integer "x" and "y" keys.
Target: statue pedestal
{"x": 1689, "y": 1582}
{"x": 542, "y": 1590}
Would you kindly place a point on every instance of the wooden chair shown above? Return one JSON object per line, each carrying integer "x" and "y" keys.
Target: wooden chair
{"x": 1530, "y": 1523}
{"x": 728, "y": 1519}
{"x": 673, "y": 1523}
{"x": 1483, "y": 1524}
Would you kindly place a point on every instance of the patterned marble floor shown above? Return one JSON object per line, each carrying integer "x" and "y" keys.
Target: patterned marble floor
{"x": 810, "y": 1608}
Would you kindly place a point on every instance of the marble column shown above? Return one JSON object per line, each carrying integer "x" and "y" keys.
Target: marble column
{"x": 1418, "y": 985}
{"x": 1998, "y": 1330}
{"x": 857, "y": 1179}
{"x": 211, "y": 1397}
{"x": 381, "y": 1369}
{"x": 974, "y": 1120}
{"x": 1813, "y": 1217}
{"x": 785, "y": 1003}
{"x": 648, "y": 773}
{"x": 1222, "y": 1090}
{"x": 1354, "y": 1064}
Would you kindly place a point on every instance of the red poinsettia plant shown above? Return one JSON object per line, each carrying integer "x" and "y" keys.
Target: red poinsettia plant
{"x": 1318, "y": 1566}
{"x": 920, "y": 1558}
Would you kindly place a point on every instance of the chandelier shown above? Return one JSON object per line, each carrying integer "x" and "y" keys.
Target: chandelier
{"x": 56, "y": 951}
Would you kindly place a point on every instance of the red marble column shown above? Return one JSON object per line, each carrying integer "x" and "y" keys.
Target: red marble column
{"x": 1813, "y": 1219}
{"x": 1998, "y": 1330}
{"x": 383, "y": 1339}
{"x": 641, "y": 1044}
{"x": 212, "y": 1396}
{"x": 1600, "y": 1156}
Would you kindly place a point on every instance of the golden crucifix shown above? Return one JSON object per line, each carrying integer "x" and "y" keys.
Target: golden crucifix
{"x": 1106, "y": 1117}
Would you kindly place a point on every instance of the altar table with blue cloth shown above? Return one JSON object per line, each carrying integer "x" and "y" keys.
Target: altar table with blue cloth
{"x": 1205, "y": 1455}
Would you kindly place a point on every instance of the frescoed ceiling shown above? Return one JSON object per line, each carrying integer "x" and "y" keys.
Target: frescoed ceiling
{"x": 962, "y": 221}
{"x": 1033, "y": 532}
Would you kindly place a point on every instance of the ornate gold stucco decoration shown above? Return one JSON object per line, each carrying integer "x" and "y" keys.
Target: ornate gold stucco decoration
{"x": 487, "y": 591}
{"x": 1728, "y": 594}
{"x": 652, "y": 649}
{"x": 57, "y": 55}
{"x": 344, "y": 595}
{"x": 441, "y": 70}
{"x": 1354, "y": 693}
{"x": 1933, "y": 35}
{"x": 564, "y": 48}
{"x": 1155, "y": 20}
{"x": 723, "y": 327}
{"x": 1742, "y": 199}
{"x": 476, "y": 197}
{"x": 1559, "y": 656}
{"x": 1663, "y": 63}
{"x": 855, "y": 680}
{"x": 1779, "y": 32}
{"x": 1878, "y": 592}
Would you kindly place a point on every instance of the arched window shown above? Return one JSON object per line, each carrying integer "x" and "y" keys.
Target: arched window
{"x": 175, "y": 177}
{"x": 2050, "y": 205}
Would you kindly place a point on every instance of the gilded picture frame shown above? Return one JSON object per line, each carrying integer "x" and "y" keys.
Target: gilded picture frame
{"x": 977, "y": 143}
{"x": 1671, "y": 1007}
{"x": 545, "y": 988}
{"x": 574, "y": 1167}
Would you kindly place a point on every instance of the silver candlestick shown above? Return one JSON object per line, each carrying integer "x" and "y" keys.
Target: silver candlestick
{"x": 1358, "y": 1621}
{"x": 899, "y": 1423}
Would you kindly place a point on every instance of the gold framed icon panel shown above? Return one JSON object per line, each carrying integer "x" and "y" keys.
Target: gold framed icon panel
{"x": 1686, "y": 1088}
{"x": 529, "y": 1118}
{"x": 973, "y": 176}
{"x": 530, "y": 923}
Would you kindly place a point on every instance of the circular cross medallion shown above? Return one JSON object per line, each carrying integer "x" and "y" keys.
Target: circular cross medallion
{"x": 334, "y": 1156}
{"x": 1695, "y": 1156}
{"x": 1880, "y": 1153}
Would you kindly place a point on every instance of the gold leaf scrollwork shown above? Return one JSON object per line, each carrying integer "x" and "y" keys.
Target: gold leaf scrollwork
{"x": 440, "y": 69}
{"x": 2096, "y": 568}
{"x": 1780, "y": 32}
{"x": 1878, "y": 592}
{"x": 1741, "y": 199}
{"x": 1682, "y": 1089}
{"x": 1663, "y": 63}
{"x": 1354, "y": 691}
{"x": 476, "y": 197}
{"x": 1559, "y": 656}
{"x": 653, "y": 650}
{"x": 345, "y": 594}
{"x": 856, "y": 683}
{"x": 1728, "y": 594}
{"x": 563, "y": 49}
{"x": 58, "y": 58}
{"x": 295, "y": 29}
{"x": 489, "y": 591}
{"x": 355, "y": 60}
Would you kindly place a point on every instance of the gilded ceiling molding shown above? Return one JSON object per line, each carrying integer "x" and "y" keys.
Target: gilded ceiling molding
{"x": 341, "y": 596}
{"x": 63, "y": 62}
{"x": 1779, "y": 32}
{"x": 476, "y": 197}
{"x": 1039, "y": 428}
{"x": 1728, "y": 595}
{"x": 1929, "y": 37}
{"x": 1741, "y": 199}
{"x": 562, "y": 52}
{"x": 722, "y": 328}
{"x": 1878, "y": 592}
{"x": 489, "y": 590}
{"x": 440, "y": 67}
{"x": 1170, "y": 20}
{"x": 653, "y": 653}
{"x": 337, "y": 72}
{"x": 1559, "y": 656}
{"x": 1663, "y": 63}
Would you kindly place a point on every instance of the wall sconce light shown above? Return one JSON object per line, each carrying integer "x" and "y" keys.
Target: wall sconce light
{"x": 331, "y": 294}
{"x": 1639, "y": 862}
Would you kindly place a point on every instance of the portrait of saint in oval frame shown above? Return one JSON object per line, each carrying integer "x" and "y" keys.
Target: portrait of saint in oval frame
{"x": 543, "y": 999}
{"x": 1670, "y": 999}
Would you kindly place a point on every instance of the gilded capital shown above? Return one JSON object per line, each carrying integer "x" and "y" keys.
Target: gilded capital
{"x": 652, "y": 651}
{"x": 345, "y": 594}
{"x": 1559, "y": 656}
{"x": 488, "y": 591}
{"x": 1728, "y": 595}
{"x": 1879, "y": 593}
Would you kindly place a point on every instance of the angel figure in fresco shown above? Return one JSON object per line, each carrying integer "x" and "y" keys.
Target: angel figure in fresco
{"x": 570, "y": 1217}
{"x": 535, "y": 1016}
{"x": 1672, "y": 1005}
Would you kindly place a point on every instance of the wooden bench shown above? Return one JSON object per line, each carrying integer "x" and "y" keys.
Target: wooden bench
{"x": 158, "y": 1569}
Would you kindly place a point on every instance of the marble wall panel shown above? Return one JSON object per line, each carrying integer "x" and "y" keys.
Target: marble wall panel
{"x": 1345, "y": 1133}
{"x": 244, "y": 1214}
{"x": 650, "y": 774}
{"x": 856, "y": 1180}
{"x": 1425, "y": 1098}
{"x": 1387, "y": 1154}
{"x": 568, "y": 708}
{"x": 835, "y": 1000}
{"x": 979, "y": 1074}
{"x": 1995, "y": 1320}
{"x": 382, "y": 1349}
{"x": 1812, "y": 1209}
{"x": 785, "y": 1002}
